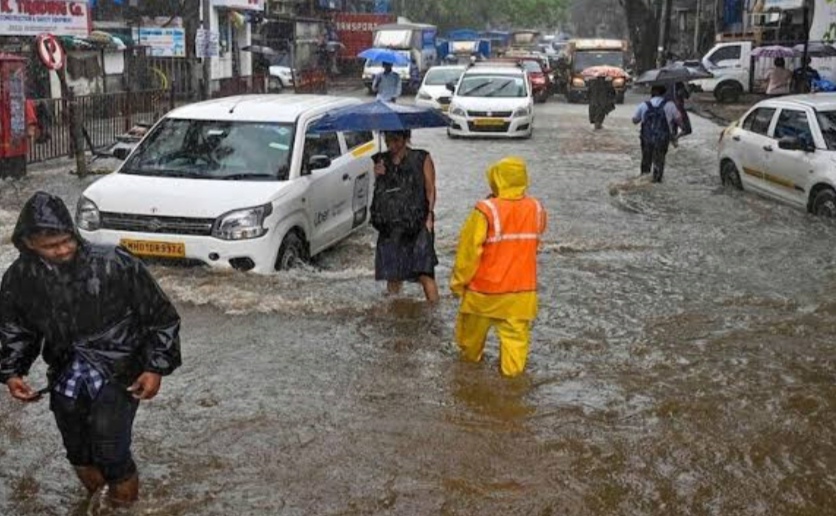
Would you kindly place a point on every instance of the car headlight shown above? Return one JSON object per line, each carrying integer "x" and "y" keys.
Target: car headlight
{"x": 457, "y": 111}
{"x": 242, "y": 224}
{"x": 577, "y": 82}
{"x": 523, "y": 111}
{"x": 423, "y": 95}
{"x": 87, "y": 215}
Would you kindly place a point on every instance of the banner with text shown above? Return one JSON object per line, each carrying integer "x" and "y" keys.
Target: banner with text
{"x": 33, "y": 17}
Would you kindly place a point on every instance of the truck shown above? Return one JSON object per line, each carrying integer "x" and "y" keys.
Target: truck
{"x": 461, "y": 44}
{"x": 356, "y": 33}
{"x": 736, "y": 72}
{"x": 586, "y": 53}
{"x": 416, "y": 41}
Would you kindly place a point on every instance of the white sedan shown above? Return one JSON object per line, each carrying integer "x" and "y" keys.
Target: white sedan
{"x": 784, "y": 148}
{"x": 433, "y": 92}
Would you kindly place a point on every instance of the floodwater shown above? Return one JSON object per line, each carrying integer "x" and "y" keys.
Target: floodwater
{"x": 682, "y": 362}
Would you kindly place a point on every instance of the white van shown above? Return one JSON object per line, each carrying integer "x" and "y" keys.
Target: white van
{"x": 237, "y": 182}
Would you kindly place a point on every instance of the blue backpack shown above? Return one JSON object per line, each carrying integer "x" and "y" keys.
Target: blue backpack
{"x": 655, "y": 128}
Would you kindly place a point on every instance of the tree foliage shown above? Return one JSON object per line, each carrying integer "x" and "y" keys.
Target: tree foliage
{"x": 643, "y": 28}
{"x": 481, "y": 14}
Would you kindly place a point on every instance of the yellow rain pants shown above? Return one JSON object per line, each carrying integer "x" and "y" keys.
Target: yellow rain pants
{"x": 472, "y": 331}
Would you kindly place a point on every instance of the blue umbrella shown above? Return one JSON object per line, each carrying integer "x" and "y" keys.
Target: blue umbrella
{"x": 384, "y": 55}
{"x": 379, "y": 116}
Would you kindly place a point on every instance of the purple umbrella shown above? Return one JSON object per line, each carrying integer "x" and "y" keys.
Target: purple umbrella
{"x": 774, "y": 51}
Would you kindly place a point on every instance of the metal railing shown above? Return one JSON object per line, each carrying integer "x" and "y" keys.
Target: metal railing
{"x": 103, "y": 117}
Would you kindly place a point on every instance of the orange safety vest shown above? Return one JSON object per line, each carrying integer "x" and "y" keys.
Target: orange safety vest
{"x": 509, "y": 253}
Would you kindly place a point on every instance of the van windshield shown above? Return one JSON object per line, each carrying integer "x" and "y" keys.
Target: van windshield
{"x": 210, "y": 149}
{"x": 588, "y": 58}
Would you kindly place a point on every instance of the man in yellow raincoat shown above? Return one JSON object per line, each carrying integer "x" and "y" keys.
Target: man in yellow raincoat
{"x": 496, "y": 268}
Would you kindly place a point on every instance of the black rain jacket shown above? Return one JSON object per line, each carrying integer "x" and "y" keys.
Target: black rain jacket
{"x": 104, "y": 305}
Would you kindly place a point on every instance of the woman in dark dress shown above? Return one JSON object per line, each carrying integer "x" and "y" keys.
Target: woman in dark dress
{"x": 402, "y": 212}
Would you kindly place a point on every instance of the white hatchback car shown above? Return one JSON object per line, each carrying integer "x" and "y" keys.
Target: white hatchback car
{"x": 784, "y": 148}
{"x": 433, "y": 92}
{"x": 492, "y": 99}
{"x": 238, "y": 182}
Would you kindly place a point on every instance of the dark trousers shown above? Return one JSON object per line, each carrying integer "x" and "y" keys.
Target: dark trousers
{"x": 98, "y": 432}
{"x": 653, "y": 159}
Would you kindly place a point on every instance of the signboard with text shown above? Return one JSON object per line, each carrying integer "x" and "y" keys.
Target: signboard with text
{"x": 33, "y": 17}
{"x": 162, "y": 42}
{"x": 249, "y": 5}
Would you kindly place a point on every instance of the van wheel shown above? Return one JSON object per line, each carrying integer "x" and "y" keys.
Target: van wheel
{"x": 728, "y": 92}
{"x": 729, "y": 175}
{"x": 292, "y": 252}
{"x": 824, "y": 204}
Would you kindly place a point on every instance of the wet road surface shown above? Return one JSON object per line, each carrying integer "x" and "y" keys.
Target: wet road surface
{"x": 682, "y": 362}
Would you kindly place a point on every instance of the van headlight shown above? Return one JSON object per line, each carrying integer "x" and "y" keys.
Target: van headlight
{"x": 242, "y": 224}
{"x": 87, "y": 215}
{"x": 457, "y": 111}
{"x": 618, "y": 82}
{"x": 578, "y": 82}
{"x": 523, "y": 111}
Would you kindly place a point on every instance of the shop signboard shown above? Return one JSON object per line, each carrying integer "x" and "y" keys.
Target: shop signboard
{"x": 33, "y": 17}
{"x": 162, "y": 42}
{"x": 247, "y": 5}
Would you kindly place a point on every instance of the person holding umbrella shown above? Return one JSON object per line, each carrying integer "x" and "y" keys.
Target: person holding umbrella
{"x": 402, "y": 212}
{"x": 387, "y": 84}
{"x": 601, "y": 100}
{"x": 404, "y": 190}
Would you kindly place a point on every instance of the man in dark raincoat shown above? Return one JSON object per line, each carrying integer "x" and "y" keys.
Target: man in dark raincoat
{"x": 107, "y": 331}
{"x": 601, "y": 100}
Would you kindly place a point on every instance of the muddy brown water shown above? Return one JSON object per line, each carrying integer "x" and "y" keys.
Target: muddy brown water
{"x": 682, "y": 362}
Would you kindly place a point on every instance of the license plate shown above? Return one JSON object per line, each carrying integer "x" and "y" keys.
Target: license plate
{"x": 488, "y": 121}
{"x": 156, "y": 249}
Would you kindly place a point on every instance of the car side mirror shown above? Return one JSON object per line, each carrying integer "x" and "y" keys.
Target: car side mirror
{"x": 451, "y": 87}
{"x": 795, "y": 144}
{"x": 318, "y": 162}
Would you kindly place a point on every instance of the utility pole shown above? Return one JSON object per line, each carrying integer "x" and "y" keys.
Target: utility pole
{"x": 205, "y": 17}
{"x": 698, "y": 28}
{"x": 664, "y": 33}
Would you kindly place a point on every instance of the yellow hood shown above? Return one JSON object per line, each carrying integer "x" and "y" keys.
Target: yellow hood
{"x": 508, "y": 178}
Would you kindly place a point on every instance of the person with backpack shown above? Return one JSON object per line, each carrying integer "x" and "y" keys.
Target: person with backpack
{"x": 402, "y": 213}
{"x": 659, "y": 120}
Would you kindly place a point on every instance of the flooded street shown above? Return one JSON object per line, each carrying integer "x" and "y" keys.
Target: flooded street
{"x": 682, "y": 362}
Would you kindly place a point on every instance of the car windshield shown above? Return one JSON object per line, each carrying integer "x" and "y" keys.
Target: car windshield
{"x": 532, "y": 66}
{"x": 506, "y": 86}
{"x": 586, "y": 59}
{"x": 442, "y": 77}
{"x": 827, "y": 123}
{"x": 210, "y": 149}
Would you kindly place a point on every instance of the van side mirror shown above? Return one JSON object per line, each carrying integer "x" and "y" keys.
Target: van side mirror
{"x": 795, "y": 144}
{"x": 451, "y": 86}
{"x": 318, "y": 162}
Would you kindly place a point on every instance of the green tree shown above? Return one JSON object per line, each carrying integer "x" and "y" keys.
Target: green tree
{"x": 478, "y": 14}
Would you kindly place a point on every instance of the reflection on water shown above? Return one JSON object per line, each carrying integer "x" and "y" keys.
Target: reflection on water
{"x": 681, "y": 364}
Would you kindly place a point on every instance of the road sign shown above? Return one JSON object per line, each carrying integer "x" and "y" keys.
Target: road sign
{"x": 51, "y": 52}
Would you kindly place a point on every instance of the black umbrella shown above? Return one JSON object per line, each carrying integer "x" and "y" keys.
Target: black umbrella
{"x": 675, "y": 73}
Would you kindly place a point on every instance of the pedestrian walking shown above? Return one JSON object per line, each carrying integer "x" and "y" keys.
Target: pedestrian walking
{"x": 779, "y": 79}
{"x": 495, "y": 274}
{"x": 659, "y": 119}
{"x": 387, "y": 84}
{"x": 105, "y": 329}
{"x": 678, "y": 94}
{"x": 601, "y": 100}
{"x": 402, "y": 213}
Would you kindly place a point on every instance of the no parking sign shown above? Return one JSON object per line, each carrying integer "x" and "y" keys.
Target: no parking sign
{"x": 51, "y": 52}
